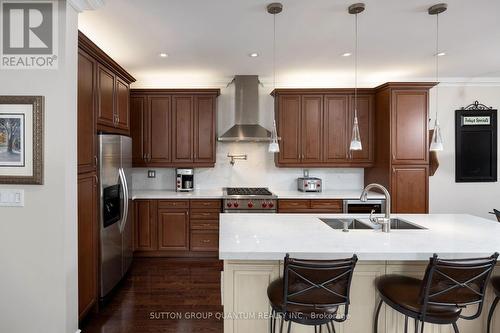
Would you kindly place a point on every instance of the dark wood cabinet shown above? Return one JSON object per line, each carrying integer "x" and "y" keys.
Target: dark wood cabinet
{"x": 310, "y": 206}
{"x": 311, "y": 126}
{"x": 173, "y": 128}
{"x": 410, "y": 186}
{"x": 204, "y": 129}
{"x": 402, "y": 154}
{"x": 122, "y": 105}
{"x": 315, "y": 127}
{"x": 145, "y": 235}
{"x": 105, "y": 96}
{"x": 173, "y": 229}
{"x": 288, "y": 124}
{"x": 336, "y": 129}
{"x": 87, "y": 243}
{"x": 409, "y": 126}
{"x": 87, "y": 155}
{"x": 182, "y": 129}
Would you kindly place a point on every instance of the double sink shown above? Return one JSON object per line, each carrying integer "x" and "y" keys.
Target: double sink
{"x": 357, "y": 224}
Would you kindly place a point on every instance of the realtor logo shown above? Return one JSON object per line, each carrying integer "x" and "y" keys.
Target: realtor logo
{"x": 29, "y": 35}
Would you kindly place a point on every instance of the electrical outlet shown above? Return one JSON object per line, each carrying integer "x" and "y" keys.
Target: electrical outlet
{"x": 11, "y": 198}
{"x": 151, "y": 174}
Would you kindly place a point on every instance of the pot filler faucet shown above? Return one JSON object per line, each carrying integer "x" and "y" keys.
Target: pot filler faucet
{"x": 385, "y": 222}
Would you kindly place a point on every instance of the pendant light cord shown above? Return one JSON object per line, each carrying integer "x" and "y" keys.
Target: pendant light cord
{"x": 274, "y": 51}
{"x": 437, "y": 66}
{"x": 356, "y": 68}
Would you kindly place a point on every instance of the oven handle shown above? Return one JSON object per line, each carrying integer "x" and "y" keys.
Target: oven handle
{"x": 355, "y": 202}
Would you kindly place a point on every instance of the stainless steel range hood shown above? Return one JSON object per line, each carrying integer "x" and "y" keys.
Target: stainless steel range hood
{"x": 246, "y": 108}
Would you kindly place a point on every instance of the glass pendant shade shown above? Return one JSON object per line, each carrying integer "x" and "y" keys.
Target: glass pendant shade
{"x": 274, "y": 147}
{"x": 437, "y": 139}
{"x": 356, "y": 138}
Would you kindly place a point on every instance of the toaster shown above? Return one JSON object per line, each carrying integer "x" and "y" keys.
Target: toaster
{"x": 309, "y": 184}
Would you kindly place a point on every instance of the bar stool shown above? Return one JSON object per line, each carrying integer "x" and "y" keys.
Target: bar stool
{"x": 448, "y": 287}
{"x": 311, "y": 292}
{"x": 495, "y": 282}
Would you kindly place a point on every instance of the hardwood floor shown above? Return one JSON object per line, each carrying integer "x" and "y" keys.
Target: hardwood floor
{"x": 163, "y": 295}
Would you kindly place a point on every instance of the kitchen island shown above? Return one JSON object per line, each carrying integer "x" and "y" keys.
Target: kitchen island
{"x": 254, "y": 245}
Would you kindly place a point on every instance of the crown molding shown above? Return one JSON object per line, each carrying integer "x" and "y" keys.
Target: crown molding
{"x": 81, "y": 5}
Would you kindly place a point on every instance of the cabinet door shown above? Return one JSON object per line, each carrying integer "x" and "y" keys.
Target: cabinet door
{"x": 336, "y": 135}
{"x": 86, "y": 117}
{"x": 409, "y": 127}
{"x": 173, "y": 230}
{"x": 311, "y": 123}
{"x": 122, "y": 104}
{"x": 289, "y": 128}
{"x": 204, "y": 130}
{"x": 410, "y": 189}
{"x": 87, "y": 243}
{"x": 366, "y": 122}
{"x": 145, "y": 226}
{"x": 160, "y": 130}
{"x": 105, "y": 95}
{"x": 182, "y": 129}
{"x": 138, "y": 129}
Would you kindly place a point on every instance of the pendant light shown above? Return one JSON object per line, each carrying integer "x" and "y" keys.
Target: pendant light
{"x": 355, "y": 9}
{"x": 437, "y": 139}
{"x": 274, "y": 8}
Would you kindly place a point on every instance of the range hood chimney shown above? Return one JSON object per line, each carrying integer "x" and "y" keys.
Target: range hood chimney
{"x": 246, "y": 109}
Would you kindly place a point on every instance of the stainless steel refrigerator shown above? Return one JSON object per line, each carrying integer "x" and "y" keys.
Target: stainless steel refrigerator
{"x": 115, "y": 164}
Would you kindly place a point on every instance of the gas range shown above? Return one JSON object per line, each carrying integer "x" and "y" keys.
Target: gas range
{"x": 249, "y": 200}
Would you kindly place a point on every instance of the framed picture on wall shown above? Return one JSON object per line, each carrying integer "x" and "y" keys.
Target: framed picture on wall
{"x": 21, "y": 139}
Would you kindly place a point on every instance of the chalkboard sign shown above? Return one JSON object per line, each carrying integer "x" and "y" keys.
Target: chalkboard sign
{"x": 476, "y": 144}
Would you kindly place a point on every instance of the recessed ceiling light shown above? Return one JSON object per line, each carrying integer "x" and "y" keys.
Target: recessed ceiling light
{"x": 253, "y": 55}
{"x": 441, "y": 54}
{"x": 347, "y": 54}
{"x": 163, "y": 55}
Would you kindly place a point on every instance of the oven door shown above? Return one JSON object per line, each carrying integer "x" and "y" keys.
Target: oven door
{"x": 360, "y": 207}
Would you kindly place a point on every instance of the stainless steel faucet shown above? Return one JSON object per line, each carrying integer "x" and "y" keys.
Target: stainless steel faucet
{"x": 385, "y": 222}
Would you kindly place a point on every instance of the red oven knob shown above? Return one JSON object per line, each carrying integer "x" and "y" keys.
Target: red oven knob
{"x": 271, "y": 205}
{"x": 306, "y": 184}
{"x": 236, "y": 205}
{"x": 318, "y": 185}
{"x": 250, "y": 204}
{"x": 264, "y": 205}
{"x": 229, "y": 204}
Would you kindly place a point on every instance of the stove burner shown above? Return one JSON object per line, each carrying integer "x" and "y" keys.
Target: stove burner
{"x": 248, "y": 191}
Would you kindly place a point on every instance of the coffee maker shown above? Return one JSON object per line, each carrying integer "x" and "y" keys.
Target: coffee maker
{"x": 185, "y": 180}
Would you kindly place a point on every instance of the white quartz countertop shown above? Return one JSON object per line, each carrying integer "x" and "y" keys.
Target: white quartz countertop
{"x": 217, "y": 194}
{"x": 271, "y": 236}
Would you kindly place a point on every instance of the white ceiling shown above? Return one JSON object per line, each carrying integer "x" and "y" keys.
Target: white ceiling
{"x": 209, "y": 41}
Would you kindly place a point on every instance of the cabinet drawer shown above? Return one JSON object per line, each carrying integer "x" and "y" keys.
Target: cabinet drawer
{"x": 205, "y": 224}
{"x": 204, "y": 240}
{"x": 166, "y": 204}
{"x": 294, "y": 204}
{"x": 216, "y": 204}
{"x": 203, "y": 214}
{"x": 327, "y": 205}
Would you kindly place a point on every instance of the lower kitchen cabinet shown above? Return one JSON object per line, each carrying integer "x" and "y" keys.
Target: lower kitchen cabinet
{"x": 410, "y": 189}
{"x": 87, "y": 243}
{"x": 177, "y": 228}
{"x": 173, "y": 230}
{"x": 310, "y": 206}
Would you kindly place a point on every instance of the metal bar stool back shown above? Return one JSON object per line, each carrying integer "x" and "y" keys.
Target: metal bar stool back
{"x": 312, "y": 292}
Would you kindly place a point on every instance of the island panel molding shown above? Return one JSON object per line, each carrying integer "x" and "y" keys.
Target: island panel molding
{"x": 21, "y": 139}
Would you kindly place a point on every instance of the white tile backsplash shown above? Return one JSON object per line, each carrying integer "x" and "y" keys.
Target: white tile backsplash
{"x": 258, "y": 170}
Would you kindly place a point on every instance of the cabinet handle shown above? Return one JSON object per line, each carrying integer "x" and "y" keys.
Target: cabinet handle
{"x": 393, "y": 157}
{"x": 95, "y": 160}
{"x": 96, "y": 179}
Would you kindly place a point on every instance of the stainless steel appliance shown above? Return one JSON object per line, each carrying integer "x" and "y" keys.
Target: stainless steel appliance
{"x": 185, "y": 180}
{"x": 249, "y": 200}
{"x": 364, "y": 207}
{"x": 309, "y": 184}
{"x": 115, "y": 163}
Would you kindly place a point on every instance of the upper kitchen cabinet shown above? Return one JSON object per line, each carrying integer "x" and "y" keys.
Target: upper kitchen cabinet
{"x": 111, "y": 89}
{"x": 315, "y": 127}
{"x": 173, "y": 128}
{"x": 87, "y": 155}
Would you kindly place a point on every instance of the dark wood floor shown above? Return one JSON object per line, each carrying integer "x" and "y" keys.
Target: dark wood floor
{"x": 162, "y": 295}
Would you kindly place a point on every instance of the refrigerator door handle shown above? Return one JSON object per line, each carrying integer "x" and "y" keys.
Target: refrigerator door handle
{"x": 123, "y": 181}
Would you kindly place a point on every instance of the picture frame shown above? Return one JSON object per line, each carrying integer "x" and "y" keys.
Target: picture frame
{"x": 21, "y": 139}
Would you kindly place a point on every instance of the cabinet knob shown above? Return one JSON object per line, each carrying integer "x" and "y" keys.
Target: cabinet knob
{"x": 206, "y": 241}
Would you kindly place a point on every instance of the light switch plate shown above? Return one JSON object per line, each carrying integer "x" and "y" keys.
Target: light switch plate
{"x": 151, "y": 174}
{"x": 11, "y": 198}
